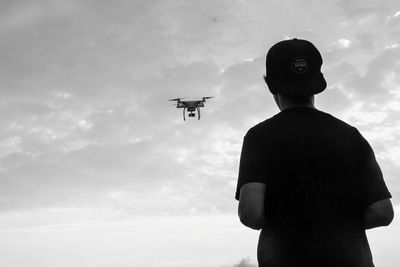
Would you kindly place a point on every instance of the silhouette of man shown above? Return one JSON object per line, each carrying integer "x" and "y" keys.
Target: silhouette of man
{"x": 308, "y": 180}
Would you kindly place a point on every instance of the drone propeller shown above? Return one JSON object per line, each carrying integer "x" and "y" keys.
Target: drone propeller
{"x": 175, "y": 99}
{"x": 204, "y": 98}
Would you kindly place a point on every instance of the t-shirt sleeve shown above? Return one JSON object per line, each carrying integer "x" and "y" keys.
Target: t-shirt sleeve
{"x": 252, "y": 163}
{"x": 372, "y": 187}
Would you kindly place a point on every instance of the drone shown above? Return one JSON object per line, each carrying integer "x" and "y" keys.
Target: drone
{"x": 191, "y": 106}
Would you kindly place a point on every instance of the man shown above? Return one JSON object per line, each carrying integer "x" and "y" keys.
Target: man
{"x": 308, "y": 180}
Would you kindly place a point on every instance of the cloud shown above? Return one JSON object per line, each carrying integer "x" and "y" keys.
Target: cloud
{"x": 344, "y": 43}
{"x": 360, "y": 9}
{"x": 333, "y": 100}
{"x": 244, "y": 96}
{"x": 112, "y": 159}
{"x": 373, "y": 84}
{"x": 246, "y": 262}
{"x": 84, "y": 89}
{"x": 84, "y": 107}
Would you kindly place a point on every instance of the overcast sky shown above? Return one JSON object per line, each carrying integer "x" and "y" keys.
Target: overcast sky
{"x": 97, "y": 168}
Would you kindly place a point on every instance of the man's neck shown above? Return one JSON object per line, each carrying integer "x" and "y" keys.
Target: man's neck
{"x": 290, "y": 105}
{"x": 285, "y": 103}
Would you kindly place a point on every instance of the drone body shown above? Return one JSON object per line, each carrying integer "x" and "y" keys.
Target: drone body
{"x": 191, "y": 106}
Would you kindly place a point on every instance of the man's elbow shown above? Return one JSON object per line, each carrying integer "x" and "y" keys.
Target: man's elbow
{"x": 251, "y": 205}
{"x": 388, "y": 217}
{"x": 255, "y": 222}
{"x": 379, "y": 214}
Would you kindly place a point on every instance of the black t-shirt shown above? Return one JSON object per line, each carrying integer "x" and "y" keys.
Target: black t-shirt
{"x": 320, "y": 175}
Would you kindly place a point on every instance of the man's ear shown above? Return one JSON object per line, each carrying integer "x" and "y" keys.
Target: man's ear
{"x": 277, "y": 100}
{"x": 269, "y": 85}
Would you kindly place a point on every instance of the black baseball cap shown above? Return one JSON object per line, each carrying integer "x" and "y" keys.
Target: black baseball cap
{"x": 293, "y": 67}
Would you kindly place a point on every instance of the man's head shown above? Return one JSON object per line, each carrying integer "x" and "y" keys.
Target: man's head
{"x": 293, "y": 68}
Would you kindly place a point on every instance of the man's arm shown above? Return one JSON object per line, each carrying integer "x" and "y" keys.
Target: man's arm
{"x": 251, "y": 205}
{"x": 378, "y": 214}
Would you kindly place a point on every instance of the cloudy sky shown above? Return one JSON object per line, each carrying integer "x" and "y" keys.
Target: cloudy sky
{"x": 97, "y": 168}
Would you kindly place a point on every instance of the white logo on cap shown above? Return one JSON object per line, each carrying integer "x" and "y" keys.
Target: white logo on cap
{"x": 300, "y": 64}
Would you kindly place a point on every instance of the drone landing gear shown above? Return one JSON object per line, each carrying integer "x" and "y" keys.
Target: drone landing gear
{"x": 198, "y": 112}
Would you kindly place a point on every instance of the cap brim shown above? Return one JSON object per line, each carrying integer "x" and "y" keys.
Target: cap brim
{"x": 312, "y": 87}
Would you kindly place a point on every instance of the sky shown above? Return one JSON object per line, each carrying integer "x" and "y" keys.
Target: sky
{"x": 97, "y": 168}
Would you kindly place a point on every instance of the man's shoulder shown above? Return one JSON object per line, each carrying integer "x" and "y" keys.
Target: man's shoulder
{"x": 335, "y": 119}
{"x": 262, "y": 127}
{"x": 273, "y": 125}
